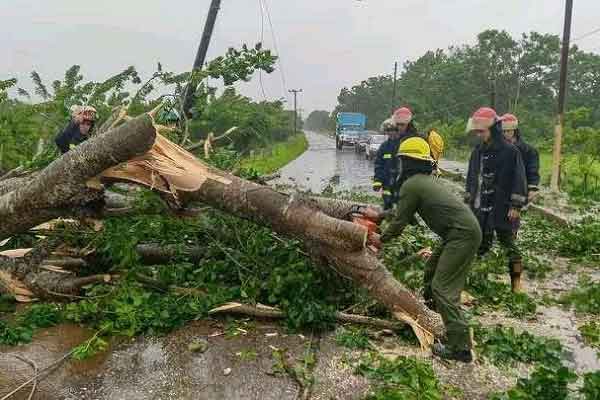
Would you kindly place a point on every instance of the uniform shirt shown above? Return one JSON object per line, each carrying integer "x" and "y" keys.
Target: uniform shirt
{"x": 441, "y": 210}
{"x": 386, "y": 164}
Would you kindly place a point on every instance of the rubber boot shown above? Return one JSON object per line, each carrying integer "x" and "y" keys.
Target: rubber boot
{"x": 516, "y": 269}
{"x": 444, "y": 352}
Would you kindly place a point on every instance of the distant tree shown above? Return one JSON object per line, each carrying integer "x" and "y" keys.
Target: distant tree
{"x": 371, "y": 97}
{"x": 317, "y": 120}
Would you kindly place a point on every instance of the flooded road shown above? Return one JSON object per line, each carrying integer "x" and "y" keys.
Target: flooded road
{"x": 322, "y": 165}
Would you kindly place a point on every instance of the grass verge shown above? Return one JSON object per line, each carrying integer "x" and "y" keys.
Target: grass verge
{"x": 275, "y": 157}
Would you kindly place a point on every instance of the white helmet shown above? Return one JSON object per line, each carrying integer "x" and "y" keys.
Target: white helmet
{"x": 387, "y": 125}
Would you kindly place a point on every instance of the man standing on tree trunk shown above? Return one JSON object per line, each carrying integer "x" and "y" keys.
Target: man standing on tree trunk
{"x": 446, "y": 270}
{"x": 78, "y": 130}
{"x": 496, "y": 188}
{"x": 531, "y": 159}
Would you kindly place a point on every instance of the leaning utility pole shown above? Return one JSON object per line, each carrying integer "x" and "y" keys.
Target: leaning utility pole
{"x": 295, "y": 91}
{"x": 394, "y": 87}
{"x": 562, "y": 88}
{"x": 188, "y": 99}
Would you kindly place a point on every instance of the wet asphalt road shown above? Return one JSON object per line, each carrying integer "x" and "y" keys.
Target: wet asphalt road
{"x": 322, "y": 165}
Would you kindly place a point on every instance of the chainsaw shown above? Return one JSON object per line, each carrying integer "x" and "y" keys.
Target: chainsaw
{"x": 370, "y": 224}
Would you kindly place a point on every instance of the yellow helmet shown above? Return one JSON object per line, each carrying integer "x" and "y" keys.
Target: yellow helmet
{"x": 415, "y": 147}
{"x": 436, "y": 143}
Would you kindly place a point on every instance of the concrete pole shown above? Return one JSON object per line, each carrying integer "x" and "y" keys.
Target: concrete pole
{"x": 558, "y": 129}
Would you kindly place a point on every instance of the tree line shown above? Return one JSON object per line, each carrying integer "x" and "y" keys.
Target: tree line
{"x": 517, "y": 75}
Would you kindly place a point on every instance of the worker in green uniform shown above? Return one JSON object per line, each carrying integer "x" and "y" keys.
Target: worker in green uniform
{"x": 448, "y": 217}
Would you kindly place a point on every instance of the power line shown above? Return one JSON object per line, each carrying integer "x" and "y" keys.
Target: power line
{"x": 262, "y": 38}
{"x": 273, "y": 35}
{"x": 590, "y": 33}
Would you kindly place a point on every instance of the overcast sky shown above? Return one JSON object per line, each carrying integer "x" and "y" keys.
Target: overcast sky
{"x": 324, "y": 44}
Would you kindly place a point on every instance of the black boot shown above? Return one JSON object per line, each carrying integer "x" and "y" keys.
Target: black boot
{"x": 442, "y": 351}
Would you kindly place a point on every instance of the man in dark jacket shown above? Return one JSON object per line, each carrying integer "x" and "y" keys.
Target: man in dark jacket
{"x": 496, "y": 188}
{"x": 385, "y": 164}
{"x": 387, "y": 167}
{"x": 447, "y": 269}
{"x": 529, "y": 154}
{"x": 82, "y": 122}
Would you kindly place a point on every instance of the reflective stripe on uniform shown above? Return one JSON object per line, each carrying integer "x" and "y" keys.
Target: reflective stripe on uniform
{"x": 387, "y": 193}
{"x": 387, "y": 155}
{"x": 72, "y": 146}
{"x": 377, "y": 183}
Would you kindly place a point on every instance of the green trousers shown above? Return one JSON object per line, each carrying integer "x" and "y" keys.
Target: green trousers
{"x": 445, "y": 278}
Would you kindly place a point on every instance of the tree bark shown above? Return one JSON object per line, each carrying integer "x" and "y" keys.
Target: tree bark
{"x": 59, "y": 188}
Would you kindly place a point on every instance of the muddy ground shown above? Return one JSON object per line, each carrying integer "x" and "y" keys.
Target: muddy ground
{"x": 238, "y": 360}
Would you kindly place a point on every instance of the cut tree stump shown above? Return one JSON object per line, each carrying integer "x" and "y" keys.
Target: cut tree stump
{"x": 29, "y": 278}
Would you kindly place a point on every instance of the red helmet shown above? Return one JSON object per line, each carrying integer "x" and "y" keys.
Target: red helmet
{"x": 402, "y": 115}
{"x": 483, "y": 118}
{"x": 509, "y": 122}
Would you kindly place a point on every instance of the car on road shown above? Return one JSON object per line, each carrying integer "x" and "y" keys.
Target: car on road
{"x": 362, "y": 144}
{"x": 350, "y": 138}
{"x": 373, "y": 145}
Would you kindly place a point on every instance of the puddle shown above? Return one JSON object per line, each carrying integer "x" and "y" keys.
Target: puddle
{"x": 48, "y": 346}
{"x": 164, "y": 368}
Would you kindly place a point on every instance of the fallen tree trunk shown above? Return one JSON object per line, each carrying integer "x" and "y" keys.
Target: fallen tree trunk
{"x": 327, "y": 236}
{"x": 320, "y": 224}
{"x": 299, "y": 217}
{"x": 60, "y": 189}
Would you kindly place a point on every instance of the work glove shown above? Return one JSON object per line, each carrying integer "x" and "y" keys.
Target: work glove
{"x": 377, "y": 186}
{"x": 374, "y": 241}
{"x": 467, "y": 198}
{"x": 514, "y": 214}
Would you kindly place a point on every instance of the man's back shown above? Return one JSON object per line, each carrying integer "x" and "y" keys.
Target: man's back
{"x": 71, "y": 135}
{"x": 441, "y": 210}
